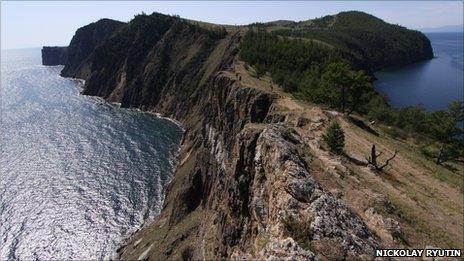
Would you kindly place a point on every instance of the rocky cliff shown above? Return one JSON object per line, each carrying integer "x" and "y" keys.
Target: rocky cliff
{"x": 246, "y": 182}
{"x": 77, "y": 58}
{"x": 83, "y": 44}
{"x": 54, "y": 55}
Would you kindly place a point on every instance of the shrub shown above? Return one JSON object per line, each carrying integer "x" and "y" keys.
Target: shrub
{"x": 300, "y": 231}
{"x": 335, "y": 138}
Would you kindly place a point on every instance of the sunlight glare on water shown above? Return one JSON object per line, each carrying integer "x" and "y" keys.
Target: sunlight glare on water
{"x": 78, "y": 175}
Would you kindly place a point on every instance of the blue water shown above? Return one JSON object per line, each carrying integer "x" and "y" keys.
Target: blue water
{"x": 433, "y": 83}
{"x": 78, "y": 175}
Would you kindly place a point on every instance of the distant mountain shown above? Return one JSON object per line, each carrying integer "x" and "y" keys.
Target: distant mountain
{"x": 443, "y": 29}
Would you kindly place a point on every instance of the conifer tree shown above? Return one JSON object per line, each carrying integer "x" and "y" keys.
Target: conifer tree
{"x": 335, "y": 138}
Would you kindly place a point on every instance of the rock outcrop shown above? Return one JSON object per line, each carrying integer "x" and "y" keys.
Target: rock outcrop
{"x": 54, "y": 55}
{"x": 244, "y": 186}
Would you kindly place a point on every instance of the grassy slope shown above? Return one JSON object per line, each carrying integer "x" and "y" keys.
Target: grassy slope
{"x": 427, "y": 199}
{"x": 425, "y": 196}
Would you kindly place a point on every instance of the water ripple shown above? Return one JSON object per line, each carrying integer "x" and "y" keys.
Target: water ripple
{"x": 78, "y": 175}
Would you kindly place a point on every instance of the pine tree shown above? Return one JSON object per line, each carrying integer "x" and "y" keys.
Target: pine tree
{"x": 335, "y": 138}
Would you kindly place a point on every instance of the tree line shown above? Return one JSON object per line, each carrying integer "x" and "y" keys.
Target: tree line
{"x": 320, "y": 74}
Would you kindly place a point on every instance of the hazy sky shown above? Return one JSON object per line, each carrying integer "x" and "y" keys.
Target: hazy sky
{"x": 33, "y": 24}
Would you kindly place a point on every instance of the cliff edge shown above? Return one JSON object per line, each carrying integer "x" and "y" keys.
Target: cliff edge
{"x": 54, "y": 55}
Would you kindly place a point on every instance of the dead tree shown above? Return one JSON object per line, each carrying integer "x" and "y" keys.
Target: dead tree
{"x": 372, "y": 160}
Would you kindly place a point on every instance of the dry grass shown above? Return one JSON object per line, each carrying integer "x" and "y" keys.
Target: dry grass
{"x": 425, "y": 195}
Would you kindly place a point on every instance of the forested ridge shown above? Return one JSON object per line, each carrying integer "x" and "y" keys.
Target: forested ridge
{"x": 146, "y": 42}
{"x": 298, "y": 54}
{"x": 330, "y": 61}
{"x": 367, "y": 41}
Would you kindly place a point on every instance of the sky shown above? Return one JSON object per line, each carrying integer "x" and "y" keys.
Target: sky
{"x": 34, "y": 24}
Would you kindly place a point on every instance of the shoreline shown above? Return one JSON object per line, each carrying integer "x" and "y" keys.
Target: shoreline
{"x": 115, "y": 254}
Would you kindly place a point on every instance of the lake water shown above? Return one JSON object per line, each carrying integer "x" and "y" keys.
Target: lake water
{"x": 433, "y": 83}
{"x": 78, "y": 175}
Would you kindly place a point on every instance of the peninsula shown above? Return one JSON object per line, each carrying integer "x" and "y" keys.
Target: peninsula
{"x": 256, "y": 177}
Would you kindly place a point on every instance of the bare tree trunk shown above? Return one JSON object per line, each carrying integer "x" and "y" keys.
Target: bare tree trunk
{"x": 372, "y": 160}
{"x": 373, "y": 156}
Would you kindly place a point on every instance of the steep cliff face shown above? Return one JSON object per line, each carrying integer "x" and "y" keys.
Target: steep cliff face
{"x": 246, "y": 182}
{"x": 244, "y": 188}
{"x": 79, "y": 61}
{"x": 136, "y": 66}
{"x": 54, "y": 55}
